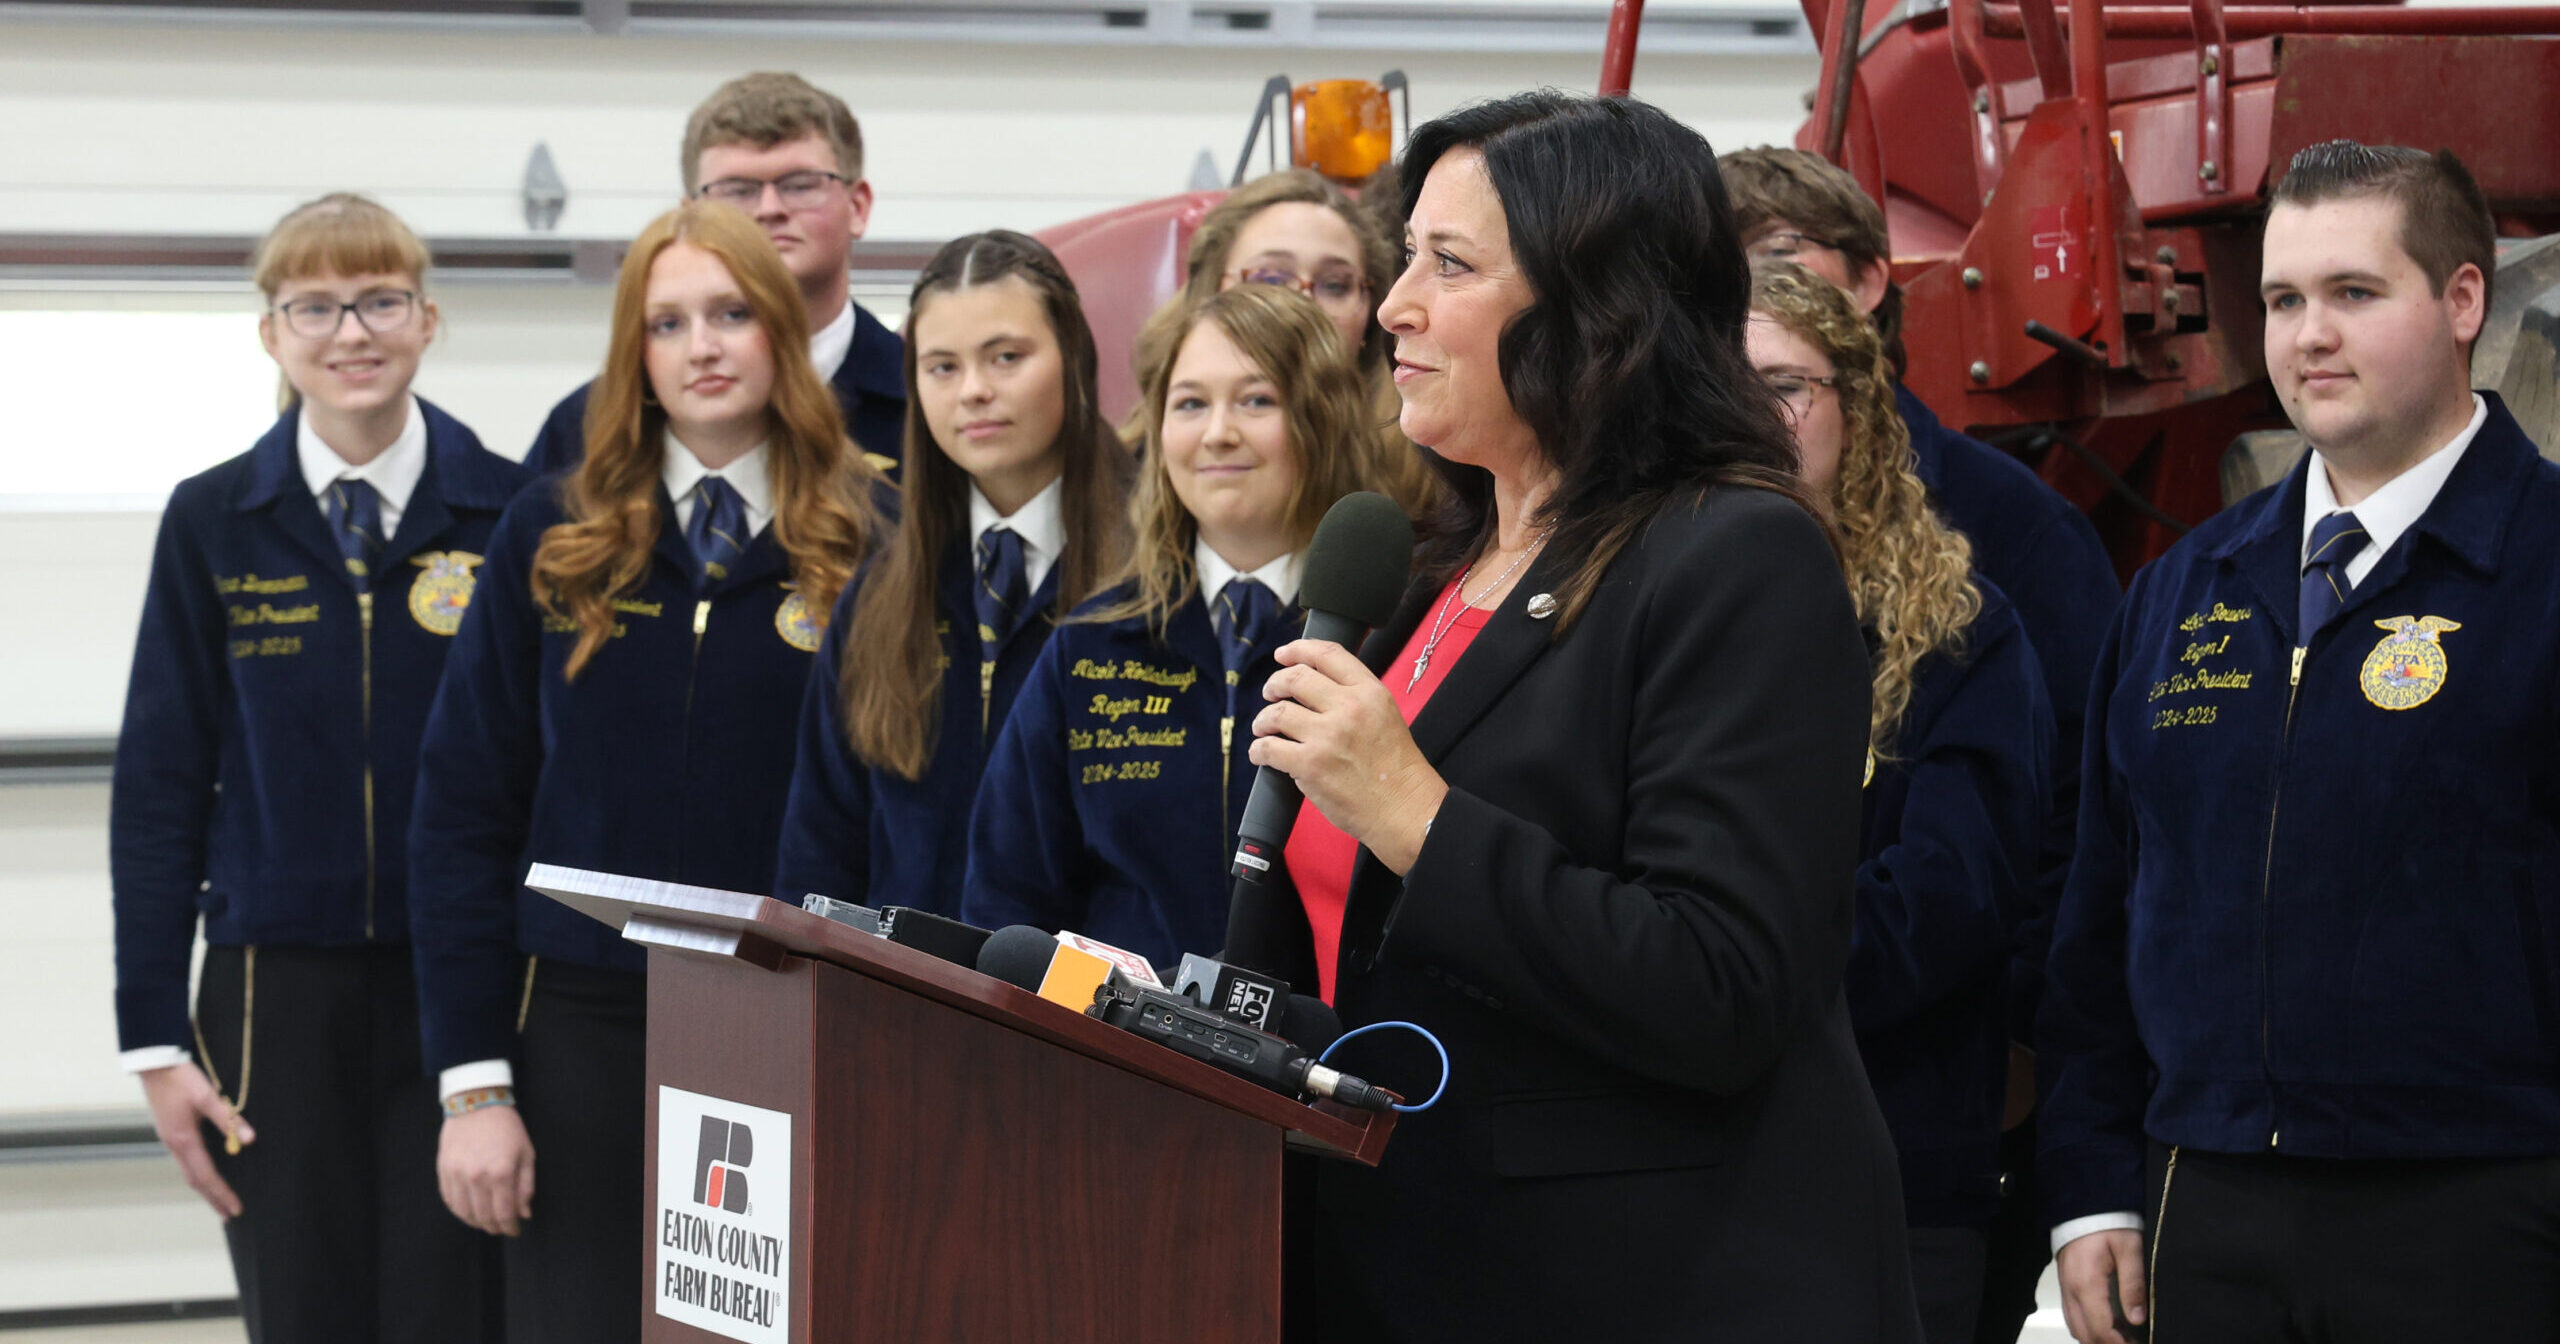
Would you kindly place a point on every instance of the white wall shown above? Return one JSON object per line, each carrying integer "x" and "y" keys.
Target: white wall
{"x": 128, "y": 128}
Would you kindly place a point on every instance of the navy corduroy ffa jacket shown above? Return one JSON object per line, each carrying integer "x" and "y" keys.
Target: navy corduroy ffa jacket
{"x": 862, "y": 834}
{"x": 2044, "y": 554}
{"x": 870, "y": 388}
{"x": 1111, "y": 800}
{"x": 1949, "y": 839}
{"x": 668, "y": 758}
{"x": 2317, "y": 905}
{"x": 271, "y": 727}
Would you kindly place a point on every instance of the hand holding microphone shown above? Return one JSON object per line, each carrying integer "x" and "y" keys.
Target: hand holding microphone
{"x": 1354, "y": 576}
{"x": 1334, "y": 729}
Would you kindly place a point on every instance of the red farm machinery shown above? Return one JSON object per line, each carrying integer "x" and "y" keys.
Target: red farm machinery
{"x": 2073, "y": 191}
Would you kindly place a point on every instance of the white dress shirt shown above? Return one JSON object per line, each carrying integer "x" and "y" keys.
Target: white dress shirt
{"x": 393, "y": 473}
{"x": 683, "y": 472}
{"x": 1041, "y": 523}
{"x": 828, "y": 345}
{"x": 1280, "y": 576}
{"x": 2389, "y": 511}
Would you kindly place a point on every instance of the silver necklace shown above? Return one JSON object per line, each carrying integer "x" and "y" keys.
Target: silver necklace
{"x": 1457, "y": 594}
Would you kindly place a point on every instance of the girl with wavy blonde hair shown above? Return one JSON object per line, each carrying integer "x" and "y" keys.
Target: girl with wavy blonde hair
{"x": 1111, "y": 798}
{"x": 622, "y": 698}
{"x": 1961, "y": 738}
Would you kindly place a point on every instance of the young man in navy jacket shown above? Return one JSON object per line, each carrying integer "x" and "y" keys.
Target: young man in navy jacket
{"x": 790, "y": 155}
{"x": 2299, "y": 1026}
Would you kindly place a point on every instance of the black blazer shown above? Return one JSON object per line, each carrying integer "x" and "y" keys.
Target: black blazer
{"x": 1629, "y": 925}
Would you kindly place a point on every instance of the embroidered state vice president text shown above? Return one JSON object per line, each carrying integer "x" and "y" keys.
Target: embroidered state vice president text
{"x": 1609, "y": 863}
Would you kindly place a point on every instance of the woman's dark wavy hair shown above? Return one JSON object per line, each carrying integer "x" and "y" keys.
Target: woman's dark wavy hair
{"x": 1628, "y": 364}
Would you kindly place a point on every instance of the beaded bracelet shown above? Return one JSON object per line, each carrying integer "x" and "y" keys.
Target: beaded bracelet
{"x": 464, "y": 1103}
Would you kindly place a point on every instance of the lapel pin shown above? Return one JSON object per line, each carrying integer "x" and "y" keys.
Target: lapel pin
{"x": 1542, "y": 606}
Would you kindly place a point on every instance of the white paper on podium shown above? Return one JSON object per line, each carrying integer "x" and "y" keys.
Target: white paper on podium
{"x": 723, "y": 1229}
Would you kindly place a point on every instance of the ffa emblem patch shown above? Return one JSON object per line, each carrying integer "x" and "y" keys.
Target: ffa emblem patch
{"x": 440, "y": 595}
{"x": 2408, "y": 667}
{"x": 799, "y": 627}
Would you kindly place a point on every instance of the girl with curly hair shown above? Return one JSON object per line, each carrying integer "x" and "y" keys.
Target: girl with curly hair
{"x": 1959, "y": 736}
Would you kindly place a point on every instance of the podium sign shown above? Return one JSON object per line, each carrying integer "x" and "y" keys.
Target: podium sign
{"x": 723, "y": 1258}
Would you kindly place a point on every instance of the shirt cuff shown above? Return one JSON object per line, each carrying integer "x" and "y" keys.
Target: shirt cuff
{"x": 477, "y": 1074}
{"x": 149, "y": 1057}
{"x": 2077, "y": 1228}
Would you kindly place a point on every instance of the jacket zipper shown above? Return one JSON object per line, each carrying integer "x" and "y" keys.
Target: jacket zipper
{"x": 1226, "y": 755}
{"x": 693, "y": 669}
{"x": 2159, "y": 1224}
{"x": 2266, "y": 898}
{"x": 364, "y": 615}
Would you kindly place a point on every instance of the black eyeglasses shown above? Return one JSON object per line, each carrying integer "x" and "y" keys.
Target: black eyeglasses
{"x": 804, "y": 190}
{"x": 381, "y": 312}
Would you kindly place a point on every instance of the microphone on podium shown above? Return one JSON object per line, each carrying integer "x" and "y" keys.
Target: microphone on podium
{"x": 1066, "y": 974}
{"x": 1053, "y": 968}
{"x": 1354, "y": 576}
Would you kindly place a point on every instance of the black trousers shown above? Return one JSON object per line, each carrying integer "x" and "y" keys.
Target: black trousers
{"x": 1946, "y": 1276}
{"x": 2283, "y": 1250}
{"x": 342, "y": 1235}
{"x": 2019, "y": 1244}
{"x": 576, "y": 1276}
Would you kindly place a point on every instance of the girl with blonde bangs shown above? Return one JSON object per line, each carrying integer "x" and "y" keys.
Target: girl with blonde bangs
{"x": 623, "y": 700}
{"x": 1960, "y": 737}
{"x": 1111, "y": 798}
{"x": 302, "y": 602}
{"x": 1298, "y": 230}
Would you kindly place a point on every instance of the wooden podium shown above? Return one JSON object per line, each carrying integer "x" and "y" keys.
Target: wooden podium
{"x": 867, "y": 1143}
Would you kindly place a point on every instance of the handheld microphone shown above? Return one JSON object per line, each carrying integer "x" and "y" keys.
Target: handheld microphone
{"x": 1257, "y": 1000}
{"x": 1355, "y": 574}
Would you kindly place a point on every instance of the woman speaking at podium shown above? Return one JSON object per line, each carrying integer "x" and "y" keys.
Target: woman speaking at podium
{"x": 621, "y": 697}
{"x": 1609, "y": 861}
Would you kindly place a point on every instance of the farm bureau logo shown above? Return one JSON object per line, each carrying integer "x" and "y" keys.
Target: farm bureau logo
{"x": 723, "y": 1259}
{"x": 720, "y": 1165}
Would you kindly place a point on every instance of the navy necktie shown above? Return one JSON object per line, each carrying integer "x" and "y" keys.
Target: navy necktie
{"x": 2334, "y": 541}
{"x": 1242, "y": 616}
{"x": 717, "y": 530}
{"x": 355, "y": 519}
{"x": 1003, "y": 589}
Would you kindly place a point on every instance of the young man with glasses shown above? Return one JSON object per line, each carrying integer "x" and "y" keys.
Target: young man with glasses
{"x": 789, "y": 154}
{"x": 1795, "y": 206}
